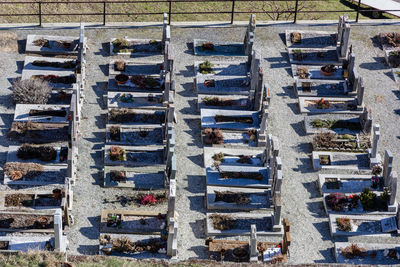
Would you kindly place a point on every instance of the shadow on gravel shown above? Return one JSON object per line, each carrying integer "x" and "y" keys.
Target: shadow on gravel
{"x": 197, "y": 203}
{"x": 377, "y": 65}
{"x": 316, "y": 209}
{"x": 195, "y": 184}
{"x": 375, "y": 42}
{"x": 97, "y": 177}
{"x": 389, "y": 74}
{"x": 283, "y": 37}
{"x": 198, "y": 160}
{"x": 195, "y": 131}
{"x": 288, "y": 91}
{"x": 97, "y": 157}
{"x": 104, "y": 50}
{"x": 21, "y": 46}
{"x": 20, "y": 66}
{"x": 189, "y": 72}
{"x": 6, "y": 101}
{"x": 88, "y": 249}
{"x": 305, "y": 166}
{"x": 200, "y": 251}
{"x": 190, "y": 49}
{"x": 198, "y": 228}
{"x": 304, "y": 148}
{"x": 396, "y": 93}
{"x": 91, "y": 232}
{"x": 312, "y": 188}
{"x": 328, "y": 256}
{"x": 100, "y": 121}
{"x": 99, "y": 89}
{"x": 278, "y": 62}
{"x": 298, "y": 128}
{"x": 188, "y": 90}
{"x": 294, "y": 107}
{"x": 104, "y": 69}
{"x": 323, "y": 229}
{"x": 192, "y": 109}
{"x": 7, "y": 119}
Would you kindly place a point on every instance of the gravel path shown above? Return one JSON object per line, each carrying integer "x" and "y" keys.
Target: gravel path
{"x": 311, "y": 242}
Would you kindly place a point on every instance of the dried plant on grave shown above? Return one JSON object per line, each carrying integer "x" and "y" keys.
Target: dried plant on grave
{"x": 44, "y": 153}
{"x": 121, "y": 45}
{"x": 324, "y": 159}
{"x": 328, "y": 69}
{"x": 244, "y": 159}
{"x": 123, "y": 115}
{"x": 394, "y": 58}
{"x": 336, "y": 201}
{"x": 376, "y": 170}
{"x": 115, "y": 132}
{"x": 42, "y": 43}
{"x": 306, "y": 86}
{"x": 69, "y": 64}
{"x": 252, "y": 135}
{"x": 217, "y": 101}
{"x": 32, "y": 91}
{"x": 353, "y": 251}
{"x": 324, "y": 140}
{"x": 343, "y": 224}
{"x": 295, "y": 38}
{"x": 232, "y": 197}
{"x": 117, "y": 153}
{"x": 18, "y": 200}
{"x": 68, "y": 79}
{"x": 302, "y": 72}
{"x": 122, "y": 244}
{"x": 222, "y": 222}
{"x": 104, "y": 239}
{"x": 206, "y": 67}
{"x": 322, "y": 104}
{"x": 118, "y": 176}
{"x": 239, "y": 119}
{"x": 219, "y": 157}
{"x": 18, "y": 170}
{"x": 119, "y": 65}
{"x": 241, "y": 175}
{"x": 392, "y": 38}
{"x": 209, "y": 46}
{"x": 298, "y": 55}
{"x": 336, "y": 124}
{"x": 213, "y": 136}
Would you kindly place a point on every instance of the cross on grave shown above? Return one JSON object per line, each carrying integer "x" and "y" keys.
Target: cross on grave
{"x": 387, "y": 167}
{"x": 253, "y": 244}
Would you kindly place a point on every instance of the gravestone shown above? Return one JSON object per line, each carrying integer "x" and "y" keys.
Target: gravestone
{"x": 366, "y": 120}
{"x": 164, "y": 30}
{"x": 277, "y": 176}
{"x": 170, "y": 114}
{"x": 373, "y": 152}
{"x": 393, "y": 191}
{"x": 360, "y": 91}
{"x": 60, "y": 244}
{"x": 344, "y": 43}
{"x": 389, "y": 224}
{"x": 253, "y": 244}
{"x": 249, "y": 37}
{"x": 342, "y": 21}
{"x": 171, "y": 199}
{"x": 172, "y": 170}
{"x": 387, "y": 167}
{"x": 351, "y": 68}
{"x": 263, "y": 124}
{"x": 277, "y": 213}
{"x": 172, "y": 244}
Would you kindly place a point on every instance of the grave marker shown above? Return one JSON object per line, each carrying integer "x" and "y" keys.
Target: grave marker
{"x": 344, "y": 43}
{"x": 253, "y": 244}
{"x": 393, "y": 191}
{"x": 387, "y": 167}
{"x": 172, "y": 245}
{"x": 366, "y": 120}
{"x": 360, "y": 91}
{"x": 373, "y": 152}
{"x": 59, "y": 239}
{"x": 171, "y": 199}
{"x": 277, "y": 213}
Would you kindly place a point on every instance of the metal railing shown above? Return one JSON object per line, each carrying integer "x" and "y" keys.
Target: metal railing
{"x": 168, "y": 4}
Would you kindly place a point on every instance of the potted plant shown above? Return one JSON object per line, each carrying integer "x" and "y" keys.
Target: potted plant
{"x": 126, "y": 98}
{"x": 324, "y": 160}
{"x": 322, "y": 104}
{"x": 121, "y": 78}
{"x": 328, "y": 70}
{"x": 295, "y": 37}
{"x": 57, "y": 193}
{"x": 119, "y": 65}
{"x": 209, "y": 46}
{"x": 376, "y": 171}
{"x": 43, "y": 221}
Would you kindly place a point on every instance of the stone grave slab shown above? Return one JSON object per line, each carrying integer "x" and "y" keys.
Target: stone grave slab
{"x": 130, "y": 222}
{"x": 141, "y": 117}
{"x": 222, "y": 85}
{"x": 259, "y": 199}
{"x": 352, "y": 121}
{"x": 341, "y": 161}
{"x": 263, "y": 222}
{"x": 136, "y": 238}
{"x": 136, "y": 67}
{"x": 361, "y": 225}
{"x": 250, "y": 119}
{"x": 54, "y": 46}
{"x": 32, "y": 200}
{"x": 233, "y": 156}
{"x": 25, "y": 222}
{"x": 61, "y": 158}
{"x": 51, "y": 175}
{"x": 223, "y": 68}
{"x": 130, "y": 86}
{"x": 320, "y": 88}
{"x": 231, "y": 102}
{"x": 138, "y": 47}
{"x": 314, "y": 72}
{"x": 237, "y": 138}
{"x": 135, "y": 135}
{"x": 214, "y": 177}
{"x": 136, "y": 156}
{"x": 314, "y": 39}
{"x": 344, "y": 105}
{"x": 231, "y": 49}
{"x": 344, "y": 183}
{"x": 313, "y": 56}
{"x": 375, "y": 254}
{"x": 137, "y": 178}
{"x": 22, "y": 113}
{"x": 24, "y": 243}
{"x": 135, "y": 100}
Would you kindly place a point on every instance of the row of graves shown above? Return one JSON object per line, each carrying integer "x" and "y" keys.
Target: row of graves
{"x": 139, "y": 154}
{"x": 40, "y": 169}
{"x": 390, "y": 43}
{"x": 242, "y": 164}
{"x": 358, "y": 186}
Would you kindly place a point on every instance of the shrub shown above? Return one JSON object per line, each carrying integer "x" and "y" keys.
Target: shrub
{"x": 336, "y": 201}
{"x": 343, "y": 224}
{"x": 33, "y": 91}
{"x": 353, "y": 251}
{"x": 213, "y": 136}
{"x": 18, "y": 170}
{"x": 44, "y": 153}
{"x": 117, "y": 153}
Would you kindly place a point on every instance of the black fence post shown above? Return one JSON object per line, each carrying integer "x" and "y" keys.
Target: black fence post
{"x": 40, "y": 14}
{"x": 104, "y": 13}
{"x": 358, "y": 10}
{"x": 169, "y": 12}
{"x": 233, "y": 11}
{"x": 295, "y": 11}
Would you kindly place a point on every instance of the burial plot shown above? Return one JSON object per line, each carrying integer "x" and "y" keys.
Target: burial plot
{"x": 27, "y": 222}
{"x": 218, "y": 48}
{"x": 238, "y": 176}
{"x": 358, "y": 143}
{"x": 134, "y": 135}
{"x": 135, "y": 47}
{"x": 228, "y": 138}
{"x": 152, "y": 83}
{"x": 135, "y": 116}
{"x": 138, "y": 178}
{"x": 304, "y": 39}
{"x": 36, "y": 133}
{"x": 359, "y": 225}
{"x": 224, "y": 85}
{"x": 348, "y": 183}
{"x": 232, "y": 156}
{"x": 314, "y": 72}
{"x": 220, "y": 68}
{"x": 231, "y": 102}
{"x": 136, "y": 100}
{"x": 133, "y": 156}
{"x": 134, "y": 67}
{"x": 317, "y": 105}
{"x": 132, "y": 222}
{"x": 313, "y": 56}
{"x": 366, "y": 253}
{"x": 230, "y": 119}
{"x": 338, "y": 123}
{"x": 41, "y": 113}
{"x": 40, "y": 154}
{"x": 52, "y": 45}
{"x": 320, "y": 88}
{"x": 233, "y": 198}
{"x": 24, "y": 243}
{"x": 340, "y": 160}
{"x": 392, "y": 58}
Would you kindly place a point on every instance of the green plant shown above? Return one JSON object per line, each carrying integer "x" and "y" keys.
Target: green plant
{"x": 368, "y": 199}
{"x": 218, "y": 157}
{"x": 206, "y": 67}
{"x": 376, "y": 170}
{"x": 117, "y": 153}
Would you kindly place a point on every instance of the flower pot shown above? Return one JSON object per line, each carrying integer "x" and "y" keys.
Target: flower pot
{"x": 57, "y": 193}
{"x": 121, "y": 78}
{"x": 43, "y": 221}
{"x": 327, "y": 73}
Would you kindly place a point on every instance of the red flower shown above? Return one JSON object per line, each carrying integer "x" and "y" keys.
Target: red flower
{"x": 148, "y": 200}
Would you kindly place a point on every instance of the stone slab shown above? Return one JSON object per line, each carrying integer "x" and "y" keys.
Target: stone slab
{"x": 349, "y": 183}
{"x": 22, "y": 113}
{"x": 145, "y": 112}
{"x": 24, "y": 243}
{"x": 238, "y": 139}
{"x": 232, "y": 155}
{"x": 148, "y": 155}
{"x": 345, "y": 100}
{"x": 12, "y": 157}
{"x": 139, "y": 41}
{"x": 52, "y": 175}
{"x": 36, "y": 205}
{"x": 311, "y": 58}
{"x": 213, "y": 177}
{"x": 129, "y": 135}
{"x": 18, "y": 215}
{"x": 130, "y": 87}
{"x": 223, "y": 85}
{"x": 29, "y": 69}
{"x": 314, "y": 39}
{"x": 342, "y": 161}
{"x": 137, "y": 178}
{"x": 321, "y": 88}
{"x": 223, "y": 68}
{"x": 240, "y": 102}
{"x": 311, "y": 130}
{"x": 208, "y": 119}
{"x": 260, "y": 199}
{"x": 231, "y": 49}
{"x": 137, "y": 67}
{"x": 31, "y": 48}
{"x": 140, "y": 100}
{"x": 315, "y": 72}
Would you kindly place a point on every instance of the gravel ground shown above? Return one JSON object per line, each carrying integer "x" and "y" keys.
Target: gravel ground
{"x": 302, "y": 204}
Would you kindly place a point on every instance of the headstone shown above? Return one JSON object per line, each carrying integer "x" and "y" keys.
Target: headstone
{"x": 60, "y": 244}
{"x": 172, "y": 244}
{"x": 375, "y": 140}
{"x": 250, "y": 30}
{"x": 164, "y": 30}
{"x": 393, "y": 191}
{"x": 173, "y": 168}
{"x": 171, "y": 199}
{"x": 340, "y": 28}
{"x": 351, "y": 66}
{"x": 360, "y": 91}
{"x": 263, "y": 124}
{"x": 366, "y": 120}
{"x": 259, "y": 91}
{"x": 275, "y": 146}
{"x": 277, "y": 209}
{"x": 389, "y": 224}
{"x": 268, "y": 150}
{"x": 345, "y": 41}
{"x": 387, "y": 167}
{"x": 171, "y": 112}
{"x": 253, "y": 244}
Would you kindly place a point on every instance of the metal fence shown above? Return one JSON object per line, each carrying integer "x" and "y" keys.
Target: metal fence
{"x": 105, "y": 5}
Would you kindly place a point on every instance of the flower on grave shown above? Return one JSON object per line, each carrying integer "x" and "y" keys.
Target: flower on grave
{"x": 148, "y": 199}
{"x": 322, "y": 104}
{"x": 351, "y": 196}
{"x": 376, "y": 170}
{"x": 374, "y": 182}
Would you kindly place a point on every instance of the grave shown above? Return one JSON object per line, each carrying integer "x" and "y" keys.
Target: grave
{"x": 147, "y": 83}
{"x": 331, "y": 105}
{"x": 374, "y": 157}
{"x": 135, "y": 67}
{"x": 345, "y": 183}
{"x": 232, "y": 138}
{"x": 41, "y": 113}
{"x": 320, "y": 88}
{"x": 143, "y": 178}
{"x": 340, "y": 161}
{"x": 314, "y": 72}
{"x": 233, "y": 156}
{"x": 30, "y": 200}
{"x": 224, "y": 85}
{"x": 134, "y": 156}
{"x": 230, "y": 119}
{"x": 51, "y": 175}
{"x": 231, "y": 102}
{"x": 24, "y": 243}
{"x": 204, "y": 47}
{"x": 52, "y": 45}
{"x": 313, "y": 56}
{"x": 220, "y": 68}
{"x": 141, "y": 135}
{"x": 136, "y": 116}
{"x": 36, "y": 133}
{"x": 45, "y": 155}
{"x": 136, "y": 100}
{"x": 359, "y": 143}
{"x": 388, "y": 41}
